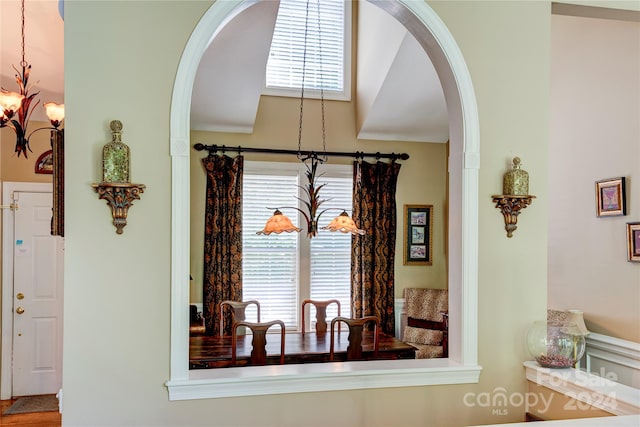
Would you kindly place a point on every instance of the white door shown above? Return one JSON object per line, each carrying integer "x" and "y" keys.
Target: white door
{"x": 37, "y": 297}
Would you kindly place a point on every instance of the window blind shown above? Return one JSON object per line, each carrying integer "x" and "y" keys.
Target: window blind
{"x": 324, "y": 56}
{"x": 271, "y": 264}
{"x": 331, "y": 251}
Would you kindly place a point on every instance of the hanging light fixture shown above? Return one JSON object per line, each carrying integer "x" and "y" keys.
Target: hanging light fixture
{"x": 279, "y": 222}
{"x": 16, "y": 107}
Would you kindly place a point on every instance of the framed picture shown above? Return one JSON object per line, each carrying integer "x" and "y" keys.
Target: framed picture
{"x": 418, "y": 234}
{"x": 610, "y": 197}
{"x": 57, "y": 222}
{"x": 44, "y": 164}
{"x": 633, "y": 241}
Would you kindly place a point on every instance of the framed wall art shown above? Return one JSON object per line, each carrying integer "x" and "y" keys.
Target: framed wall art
{"x": 44, "y": 164}
{"x": 418, "y": 234}
{"x": 610, "y": 197}
{"x": 57, "y": 222}
{"x": 633, "y": 241}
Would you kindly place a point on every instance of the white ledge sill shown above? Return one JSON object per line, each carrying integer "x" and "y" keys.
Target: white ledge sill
{"x": 316, "y": 377}
{"x": 594, "y": 390}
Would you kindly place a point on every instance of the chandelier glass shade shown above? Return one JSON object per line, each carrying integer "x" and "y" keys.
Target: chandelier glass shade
{"x": 279, "y": 222}
{"x": 344, "y": 223}
{"x": 16, "y": 107}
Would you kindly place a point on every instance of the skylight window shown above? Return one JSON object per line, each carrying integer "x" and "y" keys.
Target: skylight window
{"x": 327, "y": 64}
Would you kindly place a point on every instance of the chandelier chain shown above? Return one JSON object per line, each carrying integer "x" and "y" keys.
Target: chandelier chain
{"x": 324, "y": 135}
{"x": 304, "y": 67}
{"x": 23, "y": 63}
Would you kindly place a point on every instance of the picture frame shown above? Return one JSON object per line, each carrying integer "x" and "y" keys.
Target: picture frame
{"x": 44, "y": 163}
{"x": 57, "y": 220}
{"x": 610, "y": 197}
{"x": 418, "y": 235}
{"x": 633, "y": 241}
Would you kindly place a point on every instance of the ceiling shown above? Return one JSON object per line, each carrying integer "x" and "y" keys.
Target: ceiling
{"x": 398, "y": 94}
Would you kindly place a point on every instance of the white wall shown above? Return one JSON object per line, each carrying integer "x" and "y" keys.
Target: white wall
{"x": 594, "y": 135}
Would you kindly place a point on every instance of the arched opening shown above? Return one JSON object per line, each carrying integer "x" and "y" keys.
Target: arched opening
{"x": 461, "y": 366}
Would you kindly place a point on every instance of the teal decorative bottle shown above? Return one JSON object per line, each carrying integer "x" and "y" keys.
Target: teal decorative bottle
{"x": 115, "y": 156}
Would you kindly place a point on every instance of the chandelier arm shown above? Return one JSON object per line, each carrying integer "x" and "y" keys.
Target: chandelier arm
{"x": 330, "y": 209}
{"x": 306, "y": 217}
{"x": 36, "y": 130}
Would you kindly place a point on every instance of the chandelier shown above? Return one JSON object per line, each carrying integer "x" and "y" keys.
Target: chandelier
{"x": 279, "y": 222}
{"x": 16, "y": 107}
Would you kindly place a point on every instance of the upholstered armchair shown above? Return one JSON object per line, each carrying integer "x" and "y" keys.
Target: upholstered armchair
{"x": 427, "y": 321}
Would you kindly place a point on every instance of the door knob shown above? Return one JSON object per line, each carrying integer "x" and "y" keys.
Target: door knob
{"x": 20, "y": 310}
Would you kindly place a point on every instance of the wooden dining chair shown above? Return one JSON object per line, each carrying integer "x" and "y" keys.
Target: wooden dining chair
{"x": 238, "y": 311}
{"x": 354, "y": 349}
{"x": 321, "y": 314}
{"x": 258, "y": 341}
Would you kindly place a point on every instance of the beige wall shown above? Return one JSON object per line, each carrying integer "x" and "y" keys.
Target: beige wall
{"x": 277, "y": 127}
{"x": 117, "y": 287}
{"x": 594, "y": 135}
{"x": 20, "y": 169}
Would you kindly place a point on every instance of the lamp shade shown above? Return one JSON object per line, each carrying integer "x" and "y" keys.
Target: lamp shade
{"x": 343, "y": 223}
{"x": 10, "y": 101}
{"x": 277, "y": 224}
{"x": 55, "y": 112}
{"x": 576, "y": 316}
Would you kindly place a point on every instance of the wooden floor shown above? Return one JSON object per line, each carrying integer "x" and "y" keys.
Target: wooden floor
{"x": 35, "y": 419}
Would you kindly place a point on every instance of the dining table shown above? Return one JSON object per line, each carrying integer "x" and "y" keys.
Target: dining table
{"x": 213, "y": 351}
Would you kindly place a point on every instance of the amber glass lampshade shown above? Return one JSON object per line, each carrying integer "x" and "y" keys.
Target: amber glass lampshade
{"x": 277, "y": 224}
{"x": 55, "y": 112}
{"x": 343, "y": 223}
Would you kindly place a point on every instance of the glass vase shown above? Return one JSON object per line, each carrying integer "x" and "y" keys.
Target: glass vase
{"x": 555, "y": 344}
{"x": 115, "y": 157}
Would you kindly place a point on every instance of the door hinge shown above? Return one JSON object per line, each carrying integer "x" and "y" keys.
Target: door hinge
{"x": 12, "y": 206}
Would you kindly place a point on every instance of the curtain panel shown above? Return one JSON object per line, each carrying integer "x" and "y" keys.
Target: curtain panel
{"x": 222, "y": 238}
{"x": 373, "y": 254}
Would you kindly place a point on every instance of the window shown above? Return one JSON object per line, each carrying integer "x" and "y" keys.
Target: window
{"x": 283, "y": 270}
{"x": 327, "y": 64}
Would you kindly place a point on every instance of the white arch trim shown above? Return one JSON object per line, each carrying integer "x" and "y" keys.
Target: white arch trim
{"x": 461, "y": 366}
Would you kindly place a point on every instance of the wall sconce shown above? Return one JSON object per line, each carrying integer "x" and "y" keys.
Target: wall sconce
{"x": 115, "y": 187}
{"x": 515, "y": 197}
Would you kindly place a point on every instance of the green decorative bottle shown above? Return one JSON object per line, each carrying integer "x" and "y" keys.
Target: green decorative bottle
{"x": 115, "y": 156}
{"x": 516, "y": 181}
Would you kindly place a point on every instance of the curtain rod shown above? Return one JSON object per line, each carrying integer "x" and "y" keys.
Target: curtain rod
{"x": 358, "y": 154}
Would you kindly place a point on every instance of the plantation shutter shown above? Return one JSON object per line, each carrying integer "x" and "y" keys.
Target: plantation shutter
{"x": 324, "y": 57}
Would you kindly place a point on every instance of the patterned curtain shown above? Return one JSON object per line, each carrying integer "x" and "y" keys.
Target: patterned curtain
{"x": 372, "y": 255}
{"x": 222, "y": 238}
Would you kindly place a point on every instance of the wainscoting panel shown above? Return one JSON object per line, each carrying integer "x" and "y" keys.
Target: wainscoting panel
{"x": 613, "y": 358}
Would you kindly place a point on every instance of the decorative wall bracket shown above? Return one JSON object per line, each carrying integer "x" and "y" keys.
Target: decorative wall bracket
{"x": 510, "y": 206}
{"x": 119, "y": 197}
